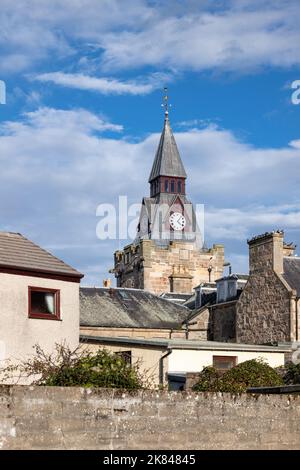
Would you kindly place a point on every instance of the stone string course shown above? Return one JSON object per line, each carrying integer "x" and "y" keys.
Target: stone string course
{"x": 78, "y": 418}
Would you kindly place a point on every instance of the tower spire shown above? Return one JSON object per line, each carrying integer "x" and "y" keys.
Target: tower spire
{"x": 167, "y": 162}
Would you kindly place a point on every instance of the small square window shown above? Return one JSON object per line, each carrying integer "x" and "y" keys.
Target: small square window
{"x": 44, "y": 303}
{"x": 223, "y": 363}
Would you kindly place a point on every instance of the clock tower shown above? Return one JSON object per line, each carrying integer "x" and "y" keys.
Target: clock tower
{"x": 167, "y": 254}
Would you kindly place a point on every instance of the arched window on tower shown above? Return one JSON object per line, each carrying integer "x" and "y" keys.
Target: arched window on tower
{"x": 166, "y": 186}
{"x": 172, "y": 186}
{"x": 179, "y": 188}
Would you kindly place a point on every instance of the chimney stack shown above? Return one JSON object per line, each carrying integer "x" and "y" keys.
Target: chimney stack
{"x": 266, "y": 252}
{"x": 107, "y": 283}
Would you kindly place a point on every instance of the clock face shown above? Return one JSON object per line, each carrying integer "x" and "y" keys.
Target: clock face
{"x": 177, "y": 221}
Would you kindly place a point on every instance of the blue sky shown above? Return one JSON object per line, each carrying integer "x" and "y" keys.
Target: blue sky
{"x": 82, "y": 120}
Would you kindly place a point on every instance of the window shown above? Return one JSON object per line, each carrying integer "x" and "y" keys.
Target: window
{"x": 223, "y": 363}
{"x": 179, "y": 186}
{"x": 43, "y": 303}
{"x": 172, "y": 186}
{"x": 126, "y": 355}
{"x": 166, "y": 186}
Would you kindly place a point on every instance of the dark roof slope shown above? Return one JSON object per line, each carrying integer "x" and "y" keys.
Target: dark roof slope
{"x": 175, "y": 297}
{"x": 207, "y": 299}
{"x": 167, "y": 159}
{"x": 128, "y": 308}
{"x": 17, "y": 252}
{"x": 291, "y": 268}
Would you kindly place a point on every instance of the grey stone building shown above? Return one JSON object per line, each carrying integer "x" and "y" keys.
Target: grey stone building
{"x": 268, "y": 308}
{"x": 262, "y": 308}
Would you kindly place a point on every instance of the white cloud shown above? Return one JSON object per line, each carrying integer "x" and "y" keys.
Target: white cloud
{"x": 237, "y": 38}
{"x": 57, "y": 166}
{"x": 34, "y": 30}
{"x": 234, "y": 35}
{"x": 104, "y": 85}
{"x": 295, "y": 144}
{"x": 238, "y": 224}
{"x": 60, "y": 120}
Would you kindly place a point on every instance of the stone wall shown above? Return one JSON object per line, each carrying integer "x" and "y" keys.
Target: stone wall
{"x": 199, "y": 325}
{"x": 222, "y": 326}
{"x": 178, "y": 267}
{"x": 77, "y": 418}
{"x": 263, "y": 309}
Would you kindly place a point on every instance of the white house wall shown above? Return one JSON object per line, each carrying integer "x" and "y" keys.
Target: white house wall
{"x": 18, "y": 333}
{"x": 191, "y": 360}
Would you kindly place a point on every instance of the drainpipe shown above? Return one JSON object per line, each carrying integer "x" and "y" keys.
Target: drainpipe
{"x": 294, "y": 336}
{"x": 186, "y": 330}
{"x": 161, "y": 366}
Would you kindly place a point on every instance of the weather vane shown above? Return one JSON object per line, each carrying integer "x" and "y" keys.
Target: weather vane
{"x": 166, "y": 103}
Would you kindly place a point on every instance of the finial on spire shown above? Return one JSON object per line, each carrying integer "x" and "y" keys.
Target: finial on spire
{"x": 166, "y": 103}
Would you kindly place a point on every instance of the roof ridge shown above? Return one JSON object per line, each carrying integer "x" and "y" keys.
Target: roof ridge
{"x": 20, "y": 252}
{"x": 50, "y": 254}
{"x": 5, "y": 232}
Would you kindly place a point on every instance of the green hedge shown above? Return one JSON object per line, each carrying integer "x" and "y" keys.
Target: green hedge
{"x": 253, "y": 373}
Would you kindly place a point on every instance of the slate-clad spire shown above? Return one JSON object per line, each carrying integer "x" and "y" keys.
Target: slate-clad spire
{"x": 167, "y": 159}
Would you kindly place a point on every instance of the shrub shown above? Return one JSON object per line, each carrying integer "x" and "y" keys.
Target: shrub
{"x": 208, "y": 380}
{"x": 79, "y": 367}
{"x": 292, "y": 374}
{"x": 252, "y": 373}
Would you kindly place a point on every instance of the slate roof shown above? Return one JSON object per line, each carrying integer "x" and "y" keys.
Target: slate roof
{"x": 175, "y": 297}
{"x": 128, "y": 308}
{"x": 191, "y": 301}
{"x": 17, "y": 252}
{"x": 167, "y": 160}
{"x": 291, "y": 268}
{"x": 207, "y": 299}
